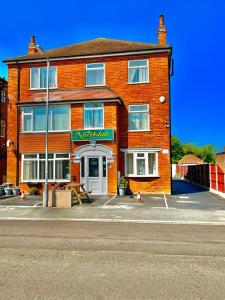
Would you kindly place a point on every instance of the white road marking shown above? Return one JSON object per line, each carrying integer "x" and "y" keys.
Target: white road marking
{"x": 184, "y": 197}
{"x": 186, "y": 201}
{"x": 117, "y": 221}
{"x": 110, "y": 200}
{"x": 165, "y": 201}
{"x": 37, "y": 204}
{"x": 116, "y": 206}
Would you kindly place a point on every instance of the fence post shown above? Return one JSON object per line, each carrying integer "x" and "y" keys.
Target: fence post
{"x": 210, "y": 177}
{"x": 216, "y": 178}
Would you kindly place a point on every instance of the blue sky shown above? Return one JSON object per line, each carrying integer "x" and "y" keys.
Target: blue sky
{"x": 195, "y": 30}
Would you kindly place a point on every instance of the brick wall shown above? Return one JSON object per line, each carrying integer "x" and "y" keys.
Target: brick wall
{"x": 71, "y": 75}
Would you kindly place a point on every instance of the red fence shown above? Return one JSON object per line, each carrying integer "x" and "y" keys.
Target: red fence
{"x": 208, "y": 175}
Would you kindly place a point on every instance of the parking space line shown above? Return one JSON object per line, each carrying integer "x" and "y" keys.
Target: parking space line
{"x": 109, "y": 200}
{"x": 166, "y": 204}
{"x": 36, "y": 204}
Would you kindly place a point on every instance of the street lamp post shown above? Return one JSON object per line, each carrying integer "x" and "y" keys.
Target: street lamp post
{"x": 45, "y": 198}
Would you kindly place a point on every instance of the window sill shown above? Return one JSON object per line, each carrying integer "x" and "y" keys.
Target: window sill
{"x": 95, "y": 85}
{"x": 142, "y": 176}
{"x": 138, "y": 82}
{"x": 43, "y": 181}
{"x": 43, "y": 132}
{"x": 43, "y": 89}
{"x": 147, "y": 130}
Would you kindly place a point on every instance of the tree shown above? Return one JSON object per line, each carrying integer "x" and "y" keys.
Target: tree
{"x": 176, "y": 149}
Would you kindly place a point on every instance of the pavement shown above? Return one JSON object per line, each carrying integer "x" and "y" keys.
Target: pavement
{"x": 188, "y": 205}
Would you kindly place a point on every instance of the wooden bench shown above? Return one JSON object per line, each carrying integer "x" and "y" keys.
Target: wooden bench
{"x": 78, "y": 191}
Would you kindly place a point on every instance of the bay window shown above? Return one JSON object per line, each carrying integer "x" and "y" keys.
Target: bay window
{"x": 138, "y": 117}
{"x": 93, "y": 116}
{"x": 38, "y": 78}
{"x": 33, "y": 167}
{"x": 95, "y": 74}
{"x": 141, "y": 164}
{"x": 138, "y": 71}
{"x": 34, "y": 118}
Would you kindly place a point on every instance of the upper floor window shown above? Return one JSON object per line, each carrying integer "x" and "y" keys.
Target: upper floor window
{"x": 138, "y": 117}
{"x": 2, "y": 129}
{"x": 93, "y": 115}
{"x": 141, "y": 164}
{"x": 34, "y": 118}
{"x": 138, "y": 71}
{"x": 95, "y": 74}
{"x": 38, "y": 78}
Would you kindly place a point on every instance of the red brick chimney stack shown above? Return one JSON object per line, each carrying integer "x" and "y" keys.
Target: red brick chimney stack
{"x": 32, "y": 46}
{"x": 162, "y": 31}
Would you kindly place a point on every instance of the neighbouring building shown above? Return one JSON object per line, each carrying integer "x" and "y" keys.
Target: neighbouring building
{"x": 190, "y": 160}
{"x": 3, "y": 128}
{"x": 220, "y": 159}
{"x": 109, "y": 115}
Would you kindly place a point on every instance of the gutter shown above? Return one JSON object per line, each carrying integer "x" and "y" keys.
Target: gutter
{"x": 110, "y": 54}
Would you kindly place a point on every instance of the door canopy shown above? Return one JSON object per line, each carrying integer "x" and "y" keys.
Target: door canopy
{"x": 93, "y": 150}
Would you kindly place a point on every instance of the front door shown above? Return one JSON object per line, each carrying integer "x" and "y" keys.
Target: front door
{"x": 94, "y": 174}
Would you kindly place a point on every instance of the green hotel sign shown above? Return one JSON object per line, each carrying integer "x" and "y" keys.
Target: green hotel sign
{"x": 93, "y": 135}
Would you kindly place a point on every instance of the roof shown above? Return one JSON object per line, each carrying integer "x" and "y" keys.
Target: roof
{"x": 72, "y": 95}
{"x": 190, "y": 159}
{"x": 98, "y": 46}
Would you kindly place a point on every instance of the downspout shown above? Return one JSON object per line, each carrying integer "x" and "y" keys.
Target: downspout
{"x": 17, "y": 125}
{"x": 170, "y": 74}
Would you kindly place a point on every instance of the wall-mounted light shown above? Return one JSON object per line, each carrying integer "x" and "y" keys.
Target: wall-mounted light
{"x": 9, "y": 143}
{"x": 162, "y": 99}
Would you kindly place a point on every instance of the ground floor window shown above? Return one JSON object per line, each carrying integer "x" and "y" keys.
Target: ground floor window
{"x": 33, "y": 167}
{"x": 141, "y": 164}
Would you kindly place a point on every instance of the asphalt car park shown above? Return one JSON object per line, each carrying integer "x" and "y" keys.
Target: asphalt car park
{"x": 185, "y": 196}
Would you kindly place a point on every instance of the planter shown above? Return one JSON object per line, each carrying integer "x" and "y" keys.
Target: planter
{"x": 122, "y": 191}
{"x": 60, "y": 198}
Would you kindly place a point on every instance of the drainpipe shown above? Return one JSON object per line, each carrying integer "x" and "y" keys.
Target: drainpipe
{"x": 17, "y": 125}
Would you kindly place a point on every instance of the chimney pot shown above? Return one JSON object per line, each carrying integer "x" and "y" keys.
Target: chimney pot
{"x": 161, "y": 31}
{"x": 32, "y": 46}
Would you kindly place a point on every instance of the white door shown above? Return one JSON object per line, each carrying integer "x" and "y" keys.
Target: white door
{"x": 94, "y": 174}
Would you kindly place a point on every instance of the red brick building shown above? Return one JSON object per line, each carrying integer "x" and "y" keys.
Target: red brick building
{"x": 109, "y": 115}
{"x": 3, "y": 128}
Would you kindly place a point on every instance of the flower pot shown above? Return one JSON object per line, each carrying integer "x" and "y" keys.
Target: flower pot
{"x": 122, "y": 191}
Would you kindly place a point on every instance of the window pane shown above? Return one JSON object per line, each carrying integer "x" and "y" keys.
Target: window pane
{"x": 82, "y": 167}
{"x": 95, "y": 77}
{"x": 104, "y": 166}
{"x": 138, "y": 63}
{"x": 43, "y": 78}
{"x": 152, "y": 163}
{"x": 62, "y": 169}
{"x": 27, "y": 122}
{"x": 143, "y": 107}
{"x": 27, "y": 110}
{"x": 93, "y": 167}
{"x": 62, "y": 155}
{"x": 26, "y": 156}
{"x": 138, "y": 75}
{"x": 93, "y": 105}
{"x": 35, "y": 78}
{"x": 42, "y": 169}
{"x": 130, "y": 166}
{"x": 30, "y": 170}
{"x": 52, "y": 77}
{"x": 138, "y": 121}
{"x": 39, "y": 119}
{"x": 60, "y": 118}
{"x": 42, "y": 156}
{"x": 96, "y": 65}
{"x": 140, "y": 166}
{"x": 93, "y": 118}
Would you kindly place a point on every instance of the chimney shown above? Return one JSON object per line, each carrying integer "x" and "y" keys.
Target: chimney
{"x": 161, "y": 31}
{"x": 32, "y": 46}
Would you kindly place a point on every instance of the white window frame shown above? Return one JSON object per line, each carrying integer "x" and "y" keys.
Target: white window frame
{"x": 38, "y": 159}
{"x": 3, "y": 129}
{"x": 39, "y": 77}
{"x": 141, "y": 111}
{"x": 49, "y": 126}
{"x": 135, "y": 153}
{"x": 98, "y": 68}
{"x": 139, "y": 67}
{"x": 94, "y": 108}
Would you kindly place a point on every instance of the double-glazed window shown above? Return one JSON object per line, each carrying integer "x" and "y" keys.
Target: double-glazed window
{"x": 138, "y": 71}
{"x": 33, "y": 167}
{"x": 95, "y": 74}
{"x": 38, "y": 78}
{"x": 139, "y": 117}
{"x": 93, "y": 116}
{"x": 34, "y": 118}
{"x": 2, "y": 129}
{"x": 141, "y": 164}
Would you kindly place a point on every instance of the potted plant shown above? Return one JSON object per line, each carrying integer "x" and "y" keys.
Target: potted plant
{"x": 122, "y": 186}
